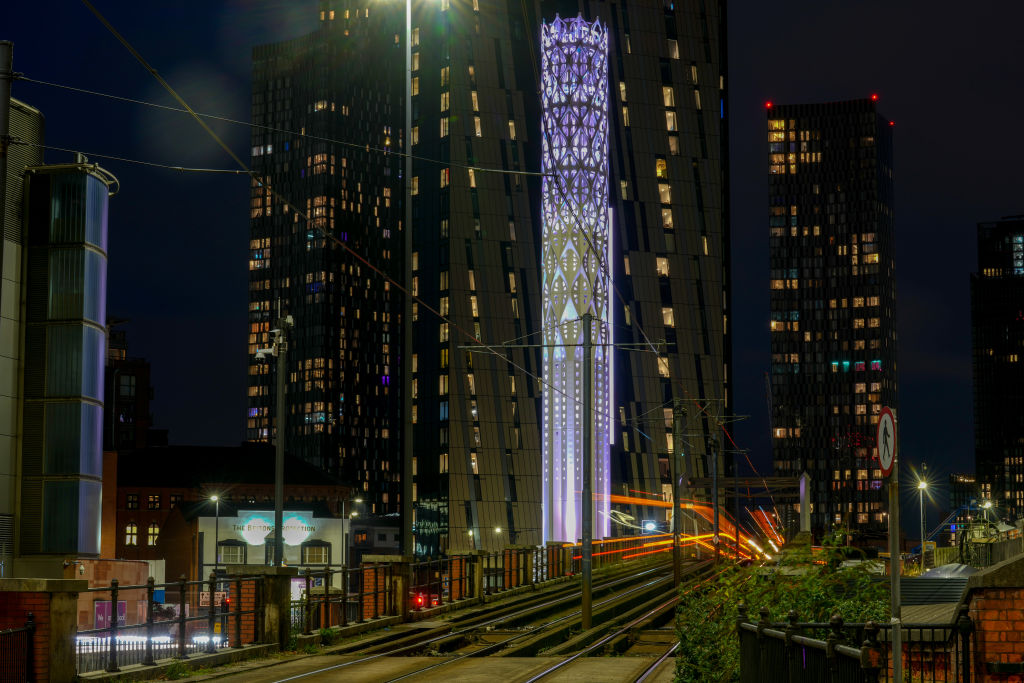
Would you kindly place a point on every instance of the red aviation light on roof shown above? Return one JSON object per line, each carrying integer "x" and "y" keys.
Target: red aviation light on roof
{"x": 768, "y": 104}
{"x": 874, "y": 97}
{"x": 892, "y": 123}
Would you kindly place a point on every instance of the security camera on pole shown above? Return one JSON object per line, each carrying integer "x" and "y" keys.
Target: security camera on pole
{"x": 886, "y": 442}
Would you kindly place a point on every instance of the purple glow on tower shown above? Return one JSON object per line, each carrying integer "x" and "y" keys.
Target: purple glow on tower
{"x": 575, "y": 242}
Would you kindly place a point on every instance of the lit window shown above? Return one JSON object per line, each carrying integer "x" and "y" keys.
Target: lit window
{"x": 472, "y": 178}
{"x": 232, "y": 554}
{"x": 696, "y": 98}
{"x": 622, "y": 90}
{"x": 665, "y": 193}
{"x": 661, "y": 168}
{"x": 415, "y": 85}
{"x": 416, "y": 61}
{"x": 625, "y": 115}
{"x": 131, "y": 534}
{"x": 132, "y": 502}
{"x": 444, "y": 76}
{"x": 667, "y": 317}
{"x": 670, "y": 121}
{"x": 444, "y": 126}
{"x": 666, "y": 218}
{"x": 663, "y": 367}
{"x": 673, "y": 145}
{"x": 153, "y": 501}
{"x": 476, "y": 100}
{"x": 511, "y": 130}
{"x": 443, "y": 332}
{"x": 673, "y": 48}
{"x": 415, "y": 186}
{"x": 445, "y": 177}
{"x": 152, "y": 534}
{"x": 693, "y": 75}
{"x": 660, "y": 264}
{"x": 314, "y": 554}
{"x": 446, "y": 100}
{"x": 624, "y": 187}
{"x": 668, "y": 94}
{"x": 415, "y": 37}
{"x": 476, "y": 127}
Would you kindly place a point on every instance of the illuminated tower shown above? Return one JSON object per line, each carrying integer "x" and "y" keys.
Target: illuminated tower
{"x": 575, "y": 262}
{"x": 833, "y": 303}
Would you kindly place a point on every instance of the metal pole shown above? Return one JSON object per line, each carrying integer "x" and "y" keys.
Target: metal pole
{"x": 216, "y": 535}
{"x": 6, "y": 76}
{"x": 281, "y": 344}
{"x": 921, "y": 500}
{"x": 407, "y": 450}
{"x": 713, "y": 444}
{"x": 587, "y": 497}
{"x": 677, "y": 440}
{"x": 895, "y": 566}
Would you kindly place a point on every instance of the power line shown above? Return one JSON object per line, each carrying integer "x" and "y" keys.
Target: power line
{"x": 274, "y": 129}
{"x": 180, "y": 169}
{"x": 296, "y": 209}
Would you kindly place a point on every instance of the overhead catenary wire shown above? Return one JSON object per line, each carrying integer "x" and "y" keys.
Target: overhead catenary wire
{"x": 363, "y": 147}
{"x": 169, "y": 167}
{"x": 277, "y": 195}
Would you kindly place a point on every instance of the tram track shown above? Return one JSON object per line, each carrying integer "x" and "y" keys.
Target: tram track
{"x": 548, "y": 619}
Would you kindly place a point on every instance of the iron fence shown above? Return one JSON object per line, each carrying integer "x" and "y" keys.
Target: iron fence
{"x": 338, "y": 597}
{"x": 16, "y": 652}
{"x": 196, "y": 616}
{"x": 794, "y": 651}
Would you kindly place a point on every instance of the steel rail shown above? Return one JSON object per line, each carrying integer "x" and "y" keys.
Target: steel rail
{"x": 469, "y": 629}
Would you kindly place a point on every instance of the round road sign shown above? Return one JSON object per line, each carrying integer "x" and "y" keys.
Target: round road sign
{"x": 886, "y": 440}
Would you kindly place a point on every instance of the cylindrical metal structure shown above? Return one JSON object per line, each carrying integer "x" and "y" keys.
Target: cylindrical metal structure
{"x": 575, "y": 266}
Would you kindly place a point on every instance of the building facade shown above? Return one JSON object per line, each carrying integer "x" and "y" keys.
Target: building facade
{"x": 26, "y": 123}
{"x": 832, "y": 299}
{"x": 997, "y": 345}
{"x": 475, "y": 106}
{"x": 64, "y": 313}
{"x": 473, "y": 439}
{"x": 343, "y": 384}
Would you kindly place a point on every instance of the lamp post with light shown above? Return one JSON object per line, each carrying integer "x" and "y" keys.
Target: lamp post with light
{"x": 216, "y": 532}
{"x": 348, "y": 519}
{"x": 922, "y": 485}
{"x": 986, "y": 506}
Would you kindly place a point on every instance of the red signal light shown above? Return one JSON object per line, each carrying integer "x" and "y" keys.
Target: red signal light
{"x": 419, "y": 601}
{"x": 768, "y": 104}
{"x": 892, "y": 123}
{"x": 874, "y": 97}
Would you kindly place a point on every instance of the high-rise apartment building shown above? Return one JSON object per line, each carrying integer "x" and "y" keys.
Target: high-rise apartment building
{"x": 343, "y": 385}
{"x": 833, "y": 296}
{"x": 473, "y": 433}
{"x": 997, "y": 331}
{"x": 477, "y": 255}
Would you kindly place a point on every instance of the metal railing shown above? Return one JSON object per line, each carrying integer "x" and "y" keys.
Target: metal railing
{"x": 16, "y": 652}
{"x": 794, "y": 652}
{"x": 188, "y": 622}
{"x": 338, "y": 597}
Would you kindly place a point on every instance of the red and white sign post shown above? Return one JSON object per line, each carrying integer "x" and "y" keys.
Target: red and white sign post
{"x": 886, "y": 442}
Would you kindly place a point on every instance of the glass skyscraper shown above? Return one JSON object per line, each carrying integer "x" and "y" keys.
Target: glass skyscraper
{"x": 997, "y": 341}
{"x": 833, "y": 303}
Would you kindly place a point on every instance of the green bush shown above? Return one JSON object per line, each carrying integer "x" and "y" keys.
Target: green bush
{"x": 815, "y": 587}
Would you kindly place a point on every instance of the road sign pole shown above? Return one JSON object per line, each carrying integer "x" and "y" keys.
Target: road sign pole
{"x": 888, "y": 459}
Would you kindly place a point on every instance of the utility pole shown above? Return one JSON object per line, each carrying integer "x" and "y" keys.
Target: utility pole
{"x": 6, "y": 76}
{"x": 407, "y": 510}
{"x": 587, "y": 497}
{"x": 713, "y": 453}
{"x": 281, "y": 351}
{"x": 677, "y": 452}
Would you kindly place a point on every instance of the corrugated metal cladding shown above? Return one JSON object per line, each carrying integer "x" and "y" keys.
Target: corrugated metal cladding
{"x": 27, "y": 125}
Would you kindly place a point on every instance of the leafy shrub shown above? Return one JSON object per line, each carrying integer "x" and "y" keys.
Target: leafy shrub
{"x": 814, "y": 586}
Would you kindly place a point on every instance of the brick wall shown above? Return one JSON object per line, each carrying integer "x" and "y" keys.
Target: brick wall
{"x": 14, "y": 609}
{"x": 248, "y": 603}
{"x": 998, "y": 615}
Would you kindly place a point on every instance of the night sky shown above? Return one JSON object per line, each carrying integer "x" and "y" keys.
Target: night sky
{"x": 947, "y": 74}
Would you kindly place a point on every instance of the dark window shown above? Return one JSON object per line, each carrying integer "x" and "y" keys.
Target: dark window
{"x": 133, "y": 501}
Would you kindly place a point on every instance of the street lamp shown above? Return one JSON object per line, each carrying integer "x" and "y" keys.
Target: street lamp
{"x": 922, "y": 485}
{"x": 216, "y": 532}
{"x": 986, "y": 506}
